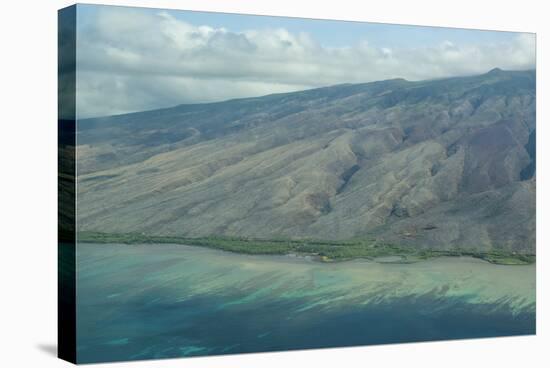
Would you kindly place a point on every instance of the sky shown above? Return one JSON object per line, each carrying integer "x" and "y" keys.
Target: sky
{"x": 137, "y": 59}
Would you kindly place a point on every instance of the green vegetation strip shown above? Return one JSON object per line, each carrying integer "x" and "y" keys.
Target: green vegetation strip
{"x": 326, "y": 251}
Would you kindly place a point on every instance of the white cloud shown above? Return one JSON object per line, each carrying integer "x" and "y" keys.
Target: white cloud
{"x": 131, "y": 61}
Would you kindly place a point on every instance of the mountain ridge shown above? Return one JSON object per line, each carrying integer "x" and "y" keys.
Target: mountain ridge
{"x": 436, "y": 164}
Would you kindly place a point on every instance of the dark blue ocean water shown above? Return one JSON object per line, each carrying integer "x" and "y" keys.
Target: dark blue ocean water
{"x": 136, "y": 302}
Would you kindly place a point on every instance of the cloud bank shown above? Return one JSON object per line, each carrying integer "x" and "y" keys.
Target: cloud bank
{"x": 129, "y": 60}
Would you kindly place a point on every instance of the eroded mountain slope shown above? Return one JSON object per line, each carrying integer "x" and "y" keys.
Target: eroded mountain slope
{"x": 440, "y": 164}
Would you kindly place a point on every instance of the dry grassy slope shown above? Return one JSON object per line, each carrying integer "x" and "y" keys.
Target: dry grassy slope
{"x": 428, "y": 164}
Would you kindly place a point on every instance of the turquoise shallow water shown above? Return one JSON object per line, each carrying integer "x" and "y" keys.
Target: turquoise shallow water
{"x": 163, "y": 301}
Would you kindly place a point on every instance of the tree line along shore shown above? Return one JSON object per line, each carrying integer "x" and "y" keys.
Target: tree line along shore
{"x": 322, "y": 250}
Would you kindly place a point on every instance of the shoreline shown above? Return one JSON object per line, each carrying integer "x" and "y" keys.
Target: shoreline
{"x": 315, "y": 250}
{"x": 305, "y": 258}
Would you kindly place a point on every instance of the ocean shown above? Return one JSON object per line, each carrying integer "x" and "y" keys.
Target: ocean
{"x": 164, "y": 301}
